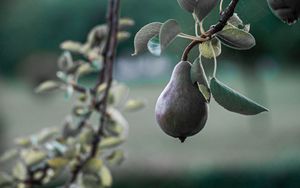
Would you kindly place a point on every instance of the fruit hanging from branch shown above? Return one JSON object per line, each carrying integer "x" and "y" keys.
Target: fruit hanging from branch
{"x": 182, "y": 107}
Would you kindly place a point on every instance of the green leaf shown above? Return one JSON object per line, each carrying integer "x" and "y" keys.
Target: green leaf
{"x": 93, "y": 166}
{"x": 188, "y": 5}
{"x": 33, "y": 157}
{"x": 235, "y": 20}
{"x": 57, "y": 162}
{"x": 168, "y": 32}
{"x": 6, "y": 180}
{"x": 144, "y": 35}
{"x": 85, "y": 69}
{"x": 105, "y": 176}
{"x": 119, "y": 119}
{"x": 198, "y": 76}
{"x": 134, "y": 105}
{"x": 19, "y": 171}
{"x": 119, "y": 94}
{"x": 47, "y": 86}
{"x": 204, "y": 7}
{"x": 110, "y": 142}
{"x": 236, "y": 38}
{"x": 234, "y": 101}
{"x": 125, "y": 23}
{"x": 154, "y": 46}
{"x": 71, "y": 46}
{"x": 9, "y": 155}
{"x": 116, "y": 157}
{"x": 206, "y": 50}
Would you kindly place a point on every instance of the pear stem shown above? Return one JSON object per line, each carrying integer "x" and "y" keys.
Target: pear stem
{"x": 224, "y": 17}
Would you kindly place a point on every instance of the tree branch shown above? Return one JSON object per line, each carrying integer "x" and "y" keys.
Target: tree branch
{"x": 225, "y": 16}
{"x": 105, "y": 76}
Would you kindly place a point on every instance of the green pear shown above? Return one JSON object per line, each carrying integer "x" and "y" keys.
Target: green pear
{"x": 181, "y": 110}
{"x": 287, "y": 10}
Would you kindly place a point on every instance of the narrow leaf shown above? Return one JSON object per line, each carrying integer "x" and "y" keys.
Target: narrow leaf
{"x": 57, "y": 162}
{"x": 106, "y": 178}
{"x": 134, "y": 105}
{"x": 236, "y": 38}
{"x": 234, "y": 101}
{"x": 144, "y": 35}
{"x": 47, "y": 86}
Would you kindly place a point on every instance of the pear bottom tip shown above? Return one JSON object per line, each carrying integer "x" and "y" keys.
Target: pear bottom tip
{"x": 182, "y": 139}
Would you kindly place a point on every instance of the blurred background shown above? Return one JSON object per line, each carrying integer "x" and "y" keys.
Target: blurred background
{"x": 231, "y": 151}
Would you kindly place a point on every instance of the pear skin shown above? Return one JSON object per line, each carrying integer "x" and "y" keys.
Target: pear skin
{"x": 181, "y": 110}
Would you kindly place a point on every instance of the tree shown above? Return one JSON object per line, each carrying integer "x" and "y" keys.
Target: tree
{"x": 79, "y": 151}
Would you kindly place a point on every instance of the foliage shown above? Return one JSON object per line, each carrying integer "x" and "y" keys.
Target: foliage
{"x": 81, "y": 150}
{"x": 229, "y": 31}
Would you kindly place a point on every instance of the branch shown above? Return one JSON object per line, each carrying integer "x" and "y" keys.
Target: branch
{"x": 225, "y": 16}
{"x": 105, "y": 76}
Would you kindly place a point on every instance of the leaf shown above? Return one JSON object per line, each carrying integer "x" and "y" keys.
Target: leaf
{"x": 188, "y": 5}
{"x": 134, "y": 105}
{"x": 9, "y": 155}
{"x": 65, "y": 61}
{"x": 204, "y": 7}
{"x": 6, "y": 180}
{"x": 110, "y": 142}
{"x": 89, "y": 181}
{"x": 116, "y": 157}
{"x": 47, "y": 86}
{"x": 19, "y": 171}
{"x": 154, "y": 46}
{"x": 47, "y": 134}
{"x": 198, "y": 75}
{"x": 236, "y": 38}
{"x": 124, "y": 23}
{"x": 85, "y": 69}
{"x": 206, "y": 50}
{"x": 33, "y": 157}
{"x": 168, "y": 32}
{"x": 106, "y": 178}
{"x": 120, "y": 94}
{"x": 119, "y": 119}
{"x": 234, "y": 101}
{"x": 57, "y": 162}
{"x": 235, "y": 20}
{"x": 94, "y": 165}
{"x": 144, "y": 35}
{"x": 71, "y": 46}
{"x": 123, "y": 35}
{"x": 69, "y": 91}
{"x": 101, "y": 88}
{"x": 23, "y": 142}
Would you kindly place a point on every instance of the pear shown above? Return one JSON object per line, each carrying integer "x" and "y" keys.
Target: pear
{"x": 287, "y": 10}
{"x": 181, "y": 110}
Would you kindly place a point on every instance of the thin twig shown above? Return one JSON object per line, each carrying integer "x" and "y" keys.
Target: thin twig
{"x": 225, "y": 16}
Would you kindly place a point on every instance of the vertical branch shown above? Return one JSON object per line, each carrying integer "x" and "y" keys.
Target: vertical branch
{"x": 105, "y": 76}
{"x": 109, "y": 54}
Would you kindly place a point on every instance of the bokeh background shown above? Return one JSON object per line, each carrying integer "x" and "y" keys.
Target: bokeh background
{"x": 231, "y": 151}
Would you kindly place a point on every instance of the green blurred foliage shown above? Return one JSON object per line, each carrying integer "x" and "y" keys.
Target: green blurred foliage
{"x": 41, "y": 25}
